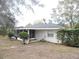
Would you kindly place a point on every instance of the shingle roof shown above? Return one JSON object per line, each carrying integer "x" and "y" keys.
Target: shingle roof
{"x": 44, "y": 26}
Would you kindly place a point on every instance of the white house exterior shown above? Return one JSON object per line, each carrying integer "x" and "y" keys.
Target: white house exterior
{"x": 47, "y": 32}
{"x": 48, "y": 35}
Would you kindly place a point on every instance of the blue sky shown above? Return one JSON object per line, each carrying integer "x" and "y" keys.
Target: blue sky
{"x": 39, "y": 12}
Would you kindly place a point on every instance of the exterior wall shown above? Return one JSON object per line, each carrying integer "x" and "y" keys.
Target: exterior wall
{"x": 53, "y": 38}
{"x": 40, "y": 34}
{"x": 43, "y": 34}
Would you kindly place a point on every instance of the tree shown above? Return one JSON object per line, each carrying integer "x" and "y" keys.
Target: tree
{"x": 7, "y": 19}
{"x": 24, "y": 36}
{"x": 44, "y": 20}
{"x": 7, "y": 23}
{"x": 9, "y": 9}
{"x": 67, "y": 12}
{"x": 77, "y": 26}
{"x": 12, "y": 8}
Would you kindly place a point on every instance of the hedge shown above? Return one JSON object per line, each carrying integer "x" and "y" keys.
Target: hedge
{"x": 69, "y": 37}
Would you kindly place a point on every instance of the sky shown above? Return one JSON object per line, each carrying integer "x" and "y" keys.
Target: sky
{"x": 39, "y": 13}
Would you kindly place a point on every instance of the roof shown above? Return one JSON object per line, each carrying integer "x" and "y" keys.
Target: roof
{"x": 41, "y": 27}
{"x": 44, "y": 26}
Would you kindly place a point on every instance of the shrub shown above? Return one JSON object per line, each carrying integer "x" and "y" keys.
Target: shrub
{"x": 60, "y": 35}
{"x": 69, "y": 37}
{"x": 23, "y": 35}
{"x": 10, "y": 34}
{"x": 3, "y": 31}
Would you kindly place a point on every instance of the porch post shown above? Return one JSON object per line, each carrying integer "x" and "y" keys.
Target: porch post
{"x": 28, "y": 37}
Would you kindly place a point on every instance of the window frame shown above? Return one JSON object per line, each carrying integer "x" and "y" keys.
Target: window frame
{"x": 50, "y": 34}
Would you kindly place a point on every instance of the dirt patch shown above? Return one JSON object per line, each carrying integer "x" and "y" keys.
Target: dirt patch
{"x": 41, "y": 51}
{"x": 2, "y": 42}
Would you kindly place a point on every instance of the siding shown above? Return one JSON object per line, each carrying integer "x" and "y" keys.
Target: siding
{"x": 43, "y": 34}
{"x": 40, "y": 34}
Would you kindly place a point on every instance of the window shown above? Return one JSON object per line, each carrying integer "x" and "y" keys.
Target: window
{"x": 50, "y": 34}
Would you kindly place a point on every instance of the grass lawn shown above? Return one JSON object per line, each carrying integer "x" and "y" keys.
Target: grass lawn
{"x": 39, "y": 50}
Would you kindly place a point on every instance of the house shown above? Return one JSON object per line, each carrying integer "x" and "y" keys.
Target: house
{"x": 47, "y": 32}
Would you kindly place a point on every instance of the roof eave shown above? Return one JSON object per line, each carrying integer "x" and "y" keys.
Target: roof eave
{"x": 43, "y": 28}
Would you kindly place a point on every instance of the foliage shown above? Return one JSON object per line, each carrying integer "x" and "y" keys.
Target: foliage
{"x": 3, "y": 31}
{"x": 9, "y": 9}
{"x": 67, "y": 12}
{"x": 7, "y": 22}
{"x": 69, "y": 37}
{"x": 6, "y": 17}
{"x": 10, "y": 34}
{"x": 23, "y": 35}
{"x": 14, "y": 6}
{"x": 77, "y": 26}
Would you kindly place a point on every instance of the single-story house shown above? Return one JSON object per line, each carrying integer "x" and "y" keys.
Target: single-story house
{"x": 47, "y": 32}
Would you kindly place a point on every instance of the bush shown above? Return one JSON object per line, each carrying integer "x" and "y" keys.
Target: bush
{"x": 69, "y": 37}
{"x": 3, "y": 31}
{"x": 10, "y": 34}
{"x": 23, "y": 35}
